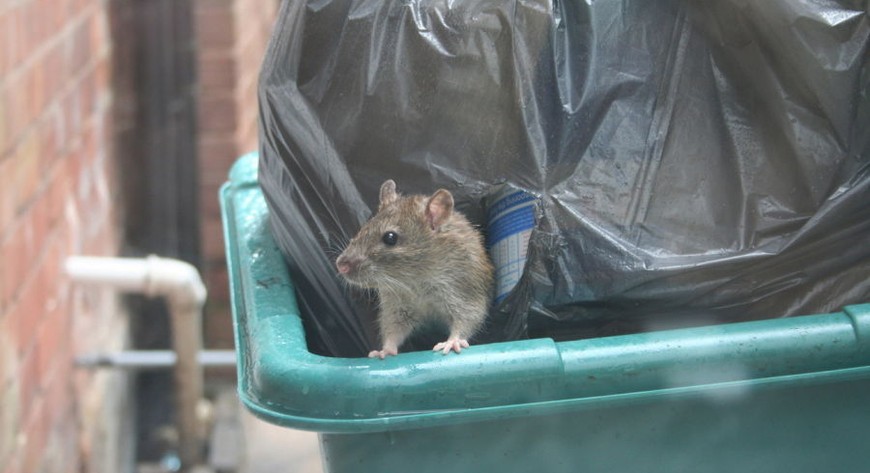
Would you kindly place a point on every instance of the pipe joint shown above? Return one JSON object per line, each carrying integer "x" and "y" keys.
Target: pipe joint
{"x": 175, "y": 280}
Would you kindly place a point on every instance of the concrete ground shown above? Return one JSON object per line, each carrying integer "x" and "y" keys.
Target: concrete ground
{"x": 272, "y": 449}
{"x": 242, "y": 443}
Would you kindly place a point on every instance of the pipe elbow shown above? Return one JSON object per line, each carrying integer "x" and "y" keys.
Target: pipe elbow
{"x": 177, "y": 281}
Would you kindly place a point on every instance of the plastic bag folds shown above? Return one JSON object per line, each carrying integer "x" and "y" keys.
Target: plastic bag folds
{"x": 690, "y": 162}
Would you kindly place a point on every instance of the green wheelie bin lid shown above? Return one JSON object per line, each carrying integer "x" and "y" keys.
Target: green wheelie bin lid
{"x": 801, "y": 384}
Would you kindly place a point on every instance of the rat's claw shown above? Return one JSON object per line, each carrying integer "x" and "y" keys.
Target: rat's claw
{"x": 383, "y": 353}
{"x": 455, "y": 344}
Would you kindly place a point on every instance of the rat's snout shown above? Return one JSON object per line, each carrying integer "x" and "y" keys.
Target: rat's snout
{"x": 347, "y": 264}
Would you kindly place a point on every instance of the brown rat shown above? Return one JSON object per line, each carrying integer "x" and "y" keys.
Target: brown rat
{"x": 427, "y": 262}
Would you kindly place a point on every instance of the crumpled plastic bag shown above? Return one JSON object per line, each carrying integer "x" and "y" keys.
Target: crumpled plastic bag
{"x": 691, "y": 162}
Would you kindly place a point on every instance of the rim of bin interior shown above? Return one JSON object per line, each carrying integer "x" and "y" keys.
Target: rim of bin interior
{"x": 283, "y": 383}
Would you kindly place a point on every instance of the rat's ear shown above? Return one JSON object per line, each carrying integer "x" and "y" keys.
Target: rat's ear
{"x": 388, "y": 193}
{"x": 438, "y": 208}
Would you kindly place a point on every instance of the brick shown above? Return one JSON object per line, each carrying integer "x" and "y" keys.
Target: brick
{"x": 89, "y": 132}
{"x": 20, "y": 251}
{"x": 7, "y": 196}
{"x": 216, "y": 156}
{"x": 57, "y": 193}
{"x": 36, "y": 88}
{"x": 14, "y": 267}
{"x": 79, "y": 48}
{"x": 16, "y": 42}
{"x": 248, "y": 84}
{"x": 5, "y": 48}
{"x": 10, "y": 422}
{"x": 56, "y": 121}
{"x": 216, "y": 72}
{"x": 216, "y": 277}
{"x": 87, "y": 97}
{"x": 95, "y": 89}
{"x": 218, "y": 333}
{"x": 46, "y": 209}
{"x": 25, "y": 318}
{"x": 217, "y": 114}
{"x": 26, "y": 172}
{"x": 78, "y": 6}
{"x": 70, "y": 113}
{"x": 8, "y": 361}
{"x": 61, "y": 451}
{"x": 88, "y": 108}
{"x": 218, "y": 329}
{"x": 53, "y": 14}
{"x": 57, "y": 401}
{"x": 28, "y": 386}
{"x": 9, "y": 280}
{"x": 247, "y": 136}
{"x": 63, "y": 294}
{"x": 214, "y": 25}
{"x": 214, "y": 170}
{"x": 55, "y": 81}
{"x": 209, "y": 206}
{"x": 212, "y": 240}
{"x": 5, "y": 123}
{"x": 39, "y": 226}
{"x": 101, "y": 240}
{"x": 51, "y": 341}
{"x": 14, "y": 466}
{"x": 37, "y": 430}
{"x": 227, "y": 128}
{"x": 31, "y": 244}
{"x": 19, "y": 112}
{"x": 3, "y": 301}
{"x": 73, "y": 163}
{"x": 53, "y": 63}
{"x": 102, "y": 78}
{"x": 30, "y": 26}
{"x": 98, "y": 32}
{"x": 46, "y": 136}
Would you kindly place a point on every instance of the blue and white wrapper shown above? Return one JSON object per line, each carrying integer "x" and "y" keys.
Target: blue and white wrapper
{"x": 510, "y": 220}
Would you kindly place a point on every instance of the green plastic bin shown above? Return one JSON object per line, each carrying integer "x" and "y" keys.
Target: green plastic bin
{"x": 780, "y": 395}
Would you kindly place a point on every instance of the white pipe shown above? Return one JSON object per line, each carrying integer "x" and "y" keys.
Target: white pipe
{"x": 179, "y": 283}
{"x": 153, "y": 276}
{"x": 124, "y": 274}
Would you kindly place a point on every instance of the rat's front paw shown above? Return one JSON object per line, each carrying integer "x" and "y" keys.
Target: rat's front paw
{"x": 383, "y": 353}
{"x": 455, "y": 344}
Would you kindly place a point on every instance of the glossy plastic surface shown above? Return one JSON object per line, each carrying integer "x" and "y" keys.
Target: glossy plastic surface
{"x": 514, "y": 384}
{"x": 691, "y": 160}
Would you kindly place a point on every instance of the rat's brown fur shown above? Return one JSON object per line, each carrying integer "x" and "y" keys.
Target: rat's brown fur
{"x": 438, "y": 269}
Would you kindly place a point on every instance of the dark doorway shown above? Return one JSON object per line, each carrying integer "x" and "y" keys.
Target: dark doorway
{"x": 155, "y": 142}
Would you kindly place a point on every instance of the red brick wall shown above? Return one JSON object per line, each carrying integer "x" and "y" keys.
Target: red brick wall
{"x": 56, "y": 199}
{"x": 231, "y": 36}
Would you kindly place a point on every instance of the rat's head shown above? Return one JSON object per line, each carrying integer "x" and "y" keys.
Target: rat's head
{"x": 397, "y": 243}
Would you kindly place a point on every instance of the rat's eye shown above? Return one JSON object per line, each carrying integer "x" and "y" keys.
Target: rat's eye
{"x": 390, "y": 238}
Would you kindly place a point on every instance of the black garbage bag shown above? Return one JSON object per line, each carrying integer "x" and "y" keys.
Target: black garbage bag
{"x": 689, "y": 162}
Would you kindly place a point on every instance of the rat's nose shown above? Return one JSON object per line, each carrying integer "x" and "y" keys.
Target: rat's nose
{"x": 346, "y": 265}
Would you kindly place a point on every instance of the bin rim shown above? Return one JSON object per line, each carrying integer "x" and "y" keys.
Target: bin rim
{"x": 280, "y": 381}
